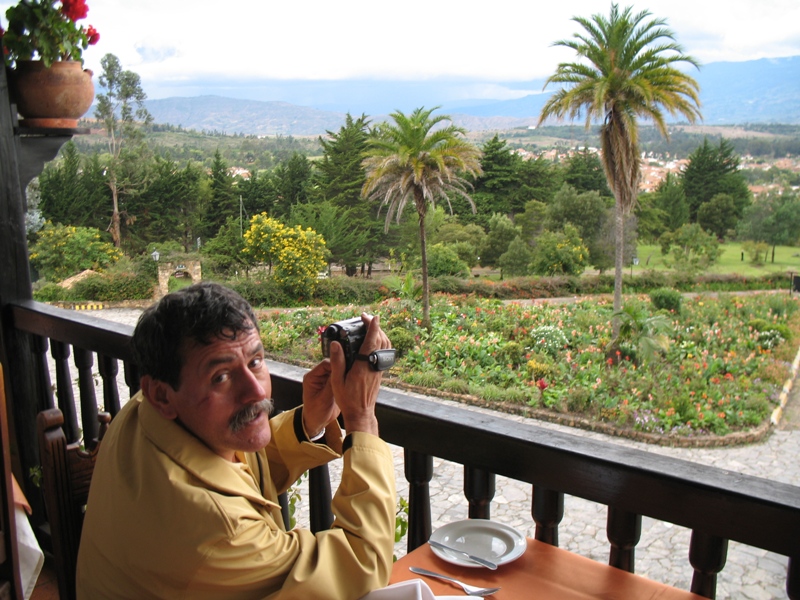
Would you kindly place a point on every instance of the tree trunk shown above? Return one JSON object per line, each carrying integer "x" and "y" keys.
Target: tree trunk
{"x": 423, "y": 251}
{"x": 116, "y": 234}
{"x": 619, "y": 232}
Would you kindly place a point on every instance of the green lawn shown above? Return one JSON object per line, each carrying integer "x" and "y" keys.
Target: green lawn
{"x": 787, "y": 258}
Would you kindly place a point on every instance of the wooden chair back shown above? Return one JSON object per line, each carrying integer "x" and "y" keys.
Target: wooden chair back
{"x": 66, "y": 474}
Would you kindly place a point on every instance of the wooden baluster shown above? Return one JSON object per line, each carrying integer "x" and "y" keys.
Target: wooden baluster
{"x": 66, "y": 398}
{"x": 707, "y": 554}
{"x": 84, "y": 360}
{"x": 624, "y": 530}
{"x": 319, "y": 490}
{"x": 479, "y": 490}
{"x": 793, "y": 578}
{"x": 109, "y": 368}
{"x": 39, "y": 347}
{"x": 419, "y": 472}
{"x": 548, "y": 510}
{"x": 131, "y": 378}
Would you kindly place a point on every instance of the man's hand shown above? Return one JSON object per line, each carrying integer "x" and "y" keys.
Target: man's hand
{"x": 319, "y": 409}
{"x": 357, "y": 392}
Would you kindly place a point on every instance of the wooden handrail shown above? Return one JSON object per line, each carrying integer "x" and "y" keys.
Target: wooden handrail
{"x": 717, "y": 505}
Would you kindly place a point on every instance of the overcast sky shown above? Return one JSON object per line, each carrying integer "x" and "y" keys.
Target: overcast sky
{"x": 175, "y": 42}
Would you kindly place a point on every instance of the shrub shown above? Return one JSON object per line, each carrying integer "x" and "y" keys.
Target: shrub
{"x": 114, "y": 287}
{"x": 511, "y": 353}
{"x": 516, "y": 259}
{"x": 666, "y": 299}
{"x": 466, "y": 252}
{"x": 402, "y": 339}
{"x": 561, "y": 252}
{"x": 652, "y": 279}
{"x": 540, "y": 368}
{"x": 262, "y": 294}
{"x": 762, "y": 326}
{"x": 448, "y": 285}
{"x": 50, "y": 292}
{"x": 755, "y": 251}
{"x": 349, "y": 290}
{"x": 443, "y": 261}
{"x": 297, "y": 254}
{"x": 548, "y": 339}
{"x": 63, "y": 250}
{"x": 689, "y": 250}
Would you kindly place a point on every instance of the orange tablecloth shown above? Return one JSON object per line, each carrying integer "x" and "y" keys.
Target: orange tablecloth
{"x": 544, "y": 572}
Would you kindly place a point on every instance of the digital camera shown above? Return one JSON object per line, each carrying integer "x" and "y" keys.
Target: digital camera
{"x": 350, "y": 334}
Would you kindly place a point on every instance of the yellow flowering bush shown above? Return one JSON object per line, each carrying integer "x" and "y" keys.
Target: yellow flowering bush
{"x": 560, "y": 253}
{"x": 296, "y": 254}
{"x": 61, "y": 251}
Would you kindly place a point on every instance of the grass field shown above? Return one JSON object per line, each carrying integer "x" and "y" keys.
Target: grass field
{"x": 787, "y": 258}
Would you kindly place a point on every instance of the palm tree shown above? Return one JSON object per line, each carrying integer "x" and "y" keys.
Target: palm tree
{"x": 626, "y": 73}
{"x": 418, "y": 159}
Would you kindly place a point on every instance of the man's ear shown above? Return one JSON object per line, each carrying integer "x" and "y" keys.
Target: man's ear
{"x": 159, "y": 393}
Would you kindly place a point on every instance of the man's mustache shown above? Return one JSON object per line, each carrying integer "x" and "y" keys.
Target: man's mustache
{"x": 249, "y": 413}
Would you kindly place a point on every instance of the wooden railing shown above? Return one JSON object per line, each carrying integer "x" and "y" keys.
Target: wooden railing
{"x": 716, "y": 505}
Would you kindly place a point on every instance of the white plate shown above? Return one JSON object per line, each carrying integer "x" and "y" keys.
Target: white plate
{"x": 486, "y": 539}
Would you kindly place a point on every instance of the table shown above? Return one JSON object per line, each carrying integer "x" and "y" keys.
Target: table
{"x": 544, "y": 572}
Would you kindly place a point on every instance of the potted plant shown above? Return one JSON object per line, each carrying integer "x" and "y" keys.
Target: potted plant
{"x": 43, "y": 50}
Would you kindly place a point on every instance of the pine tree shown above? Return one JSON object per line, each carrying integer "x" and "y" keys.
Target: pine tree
{"x": 711, "y": 171}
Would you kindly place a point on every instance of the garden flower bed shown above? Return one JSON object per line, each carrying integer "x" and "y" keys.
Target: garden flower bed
{"x": 723, "y": 367}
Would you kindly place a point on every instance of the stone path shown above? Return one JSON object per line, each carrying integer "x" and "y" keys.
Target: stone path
{"x": 662, "y": 554}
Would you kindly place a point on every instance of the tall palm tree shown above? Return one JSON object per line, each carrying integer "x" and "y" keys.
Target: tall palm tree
{"x": 625, "y": 73}
{"x": 418, "y": 159}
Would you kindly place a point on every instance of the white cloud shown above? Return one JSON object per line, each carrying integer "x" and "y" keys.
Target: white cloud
{"x": 168, "y": 41}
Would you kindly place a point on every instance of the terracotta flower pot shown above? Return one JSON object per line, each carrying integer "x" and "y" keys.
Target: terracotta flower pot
{"x": 55, "y": 96}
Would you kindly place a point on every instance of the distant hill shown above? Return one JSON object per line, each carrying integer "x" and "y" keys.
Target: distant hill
{"x": 760, "y": 91}
{"x": 230, "y": 115}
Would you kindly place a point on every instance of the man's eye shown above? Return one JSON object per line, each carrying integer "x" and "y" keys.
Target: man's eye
{"x": 220, "y": 378}
{"x": 256, "y": 363}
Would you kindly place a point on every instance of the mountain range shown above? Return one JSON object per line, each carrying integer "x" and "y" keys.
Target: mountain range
{"x": 758, "y": 91}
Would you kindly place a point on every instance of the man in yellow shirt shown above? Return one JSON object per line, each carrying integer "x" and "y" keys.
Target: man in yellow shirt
{"x": 184, "y": 497}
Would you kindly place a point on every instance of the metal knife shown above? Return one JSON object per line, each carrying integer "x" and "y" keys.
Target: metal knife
{"x": 476, "y": 559}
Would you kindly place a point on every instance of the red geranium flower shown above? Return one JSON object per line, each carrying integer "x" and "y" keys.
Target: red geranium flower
{"x": 74, "y": 9}
{"x": 93, "y": 36}
{"x": 541, "y": 384}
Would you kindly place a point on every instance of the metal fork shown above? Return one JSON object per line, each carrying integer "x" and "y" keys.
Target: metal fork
{"x": 470, "y": 590}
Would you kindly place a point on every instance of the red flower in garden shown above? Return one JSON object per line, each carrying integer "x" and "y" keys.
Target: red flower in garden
{"x": 541, "y": 384}
{"x": 74, "y": 9}
{"x": 93, "y": 36}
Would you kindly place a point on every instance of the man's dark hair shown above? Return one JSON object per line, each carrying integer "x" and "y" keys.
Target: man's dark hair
{"x": 198, "y": 313}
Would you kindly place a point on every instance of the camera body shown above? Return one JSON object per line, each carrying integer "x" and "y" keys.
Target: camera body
{"x": 350, "y": 333}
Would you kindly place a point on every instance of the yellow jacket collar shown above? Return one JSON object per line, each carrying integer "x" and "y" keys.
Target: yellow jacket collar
{"x": 198, "y": 459}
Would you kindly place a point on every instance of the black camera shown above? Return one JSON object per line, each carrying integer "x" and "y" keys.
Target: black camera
{"x": 350, "y": 334}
